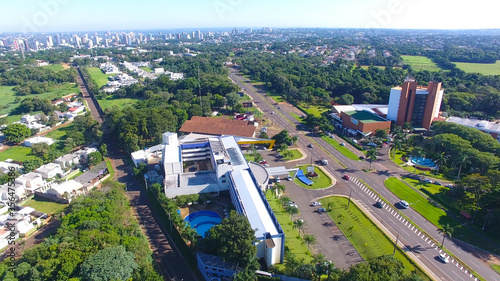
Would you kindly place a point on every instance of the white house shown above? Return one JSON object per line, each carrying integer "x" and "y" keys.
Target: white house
{"x": 84, "y": 153}
{"x": 70, "y": 187}
{"x": 38, "y": 139}
{"x": 31, "y": 181}
{"x": 67, "y": 160}
{"x": 5, "y": 166}
{"x": 22, "y": 222}
{"x": 6, "y": 192}
{"x": 50, "y": 170}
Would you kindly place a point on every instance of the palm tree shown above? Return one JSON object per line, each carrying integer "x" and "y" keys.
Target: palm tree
{"x": 272, "y": 188}
{"x": 417, "y": 152}
{"x": 440, "y": 159}
{"x": 284, "y": 200}
{"x": 299, "y": 225}
{"x": 372, "y": 155}
{"x": 340, "y": 218}
{"x": 463, "y": 159}
{"x": 279, "y": 189}
{"x": 295, "y": 139}
{"x": 446, "y": 230}
{"x": 309, "y": 239}
{"x": 287, "y": 154}
{"x": 292, "y": 211}
{"x": 398, "y": 145}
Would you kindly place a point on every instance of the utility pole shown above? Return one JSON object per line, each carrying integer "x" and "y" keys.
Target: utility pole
{"x": 396, "y": 244}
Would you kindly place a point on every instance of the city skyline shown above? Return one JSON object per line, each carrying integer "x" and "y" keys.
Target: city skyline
{"x": 73, "y": 16}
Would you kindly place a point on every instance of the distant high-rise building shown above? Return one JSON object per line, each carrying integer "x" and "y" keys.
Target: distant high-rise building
{"x": 151, "y": 37}
{"x": 106, "y": 43}
{"x": 50, "y": 43}
{"x": 15, "y": 44}
{"x": 36, "y": 45}
{"x": 85, "y": 39}
{"x": 90, "y": 44}
{"x": 26, "y": 44}
{"x": 235, "y": 31}
{"x": 249, "y": 30}
{"x": 198, "y": 35}
{"x": 2, "y": 44}
{"x": 414, "y": 104}
{"x": 77, "y": 41}
{"x": 58, "y": 39}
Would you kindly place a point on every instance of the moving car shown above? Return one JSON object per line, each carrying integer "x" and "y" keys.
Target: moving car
{"x": 379, "y": 204}
{"x": 324, "y": 161}
{"x": 342, "y": 144}
{"x": 289, "y": 178}
{"x": 346, "y": 177}
{"x": 443, "y": 258}
{"x": 263, "y": 162}
{"x": 404, "y": 204}
{"x": 321, "y": 210}
{"x": 316, "y": 203}
{"x": 310, "y": 145}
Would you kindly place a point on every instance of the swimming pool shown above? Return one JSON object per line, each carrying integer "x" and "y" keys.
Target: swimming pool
{"x": 423, "y": 161}
{"x": 202, "y": 221}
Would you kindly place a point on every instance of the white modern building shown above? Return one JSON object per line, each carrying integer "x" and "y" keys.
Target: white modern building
{"x": 490, "y": 128}
{"x": 67, "y": 189}
{"x": 38, "y": 139}
{"x": 224, "y": 168}
{"x": 50, "y": 170}
{"x": 31, "y": 181}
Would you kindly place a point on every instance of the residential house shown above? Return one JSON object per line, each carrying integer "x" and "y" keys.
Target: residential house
{"x": 7, "y": 166}
{"x": 65, "y": 190}
{"x": 68, "y": 160}
{"x": 14, "y": 191}
{"x": 50, "y": 170}
{"x": 38, "y": 139}
{"x": 31, "y": 181}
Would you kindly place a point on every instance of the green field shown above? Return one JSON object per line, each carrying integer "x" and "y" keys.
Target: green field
{"x": 293, "y": 241}
{"x": 298, "y": 118}
{"x": 45, "y": 206}
{"x": 421, "y": 63}
{"x": 313, "y": 109}
{"x": 8, "y": 97}
{"x": 100, "y": 78}
{"x": 482, "y": 68}
{"x": 55, "y": 67}
{"x": 60, "y": 133}
{"x": 319, "y": 182}
{"x": 16, "y": 153}
{"x": 296, "y": 154}
{"x": 146, "y": 68}
{"x": 342, "y": 149}
{"x": 112, "y": 100}
{"x": 365, "y": 236}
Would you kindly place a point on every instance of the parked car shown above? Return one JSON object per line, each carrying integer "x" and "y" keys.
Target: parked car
{"x": 346, "y": 177}
{"x": 443, "y": 258}
{"x": 427, "y": 180}
{"x": 321, "y": 210}
{"x": 272, "y": 112}
{"x": 263, "y": 162}
{"x": 361, "y": 158}
{"x": 289, "y": 178}
{"x": 437, "y": 183}
{"x": 449, "y": 185}
{"x": 379, "y": 204}
{"x": 310, "y": 145}
{"x": 278, "y": 179}
{"x": 342, "y": 144}
{"x": 279, "y": 107}
{"x": 404, "y": 204}
{"x": 372, "y": 144}
{"x": 316, "y": 203}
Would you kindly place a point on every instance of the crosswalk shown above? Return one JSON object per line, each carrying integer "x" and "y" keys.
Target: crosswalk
{"x": 409, "y": 225}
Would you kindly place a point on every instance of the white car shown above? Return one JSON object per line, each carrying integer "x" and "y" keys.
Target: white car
{"x": 278, "y": 179}
{"x": 316, "y": 203}
{"x": 443, "y": 258}
{"x": 404, "y": 204}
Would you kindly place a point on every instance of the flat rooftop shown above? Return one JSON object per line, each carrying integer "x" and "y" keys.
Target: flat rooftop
{"x": 364, "y": 116}
{"x": 255, "y": 209}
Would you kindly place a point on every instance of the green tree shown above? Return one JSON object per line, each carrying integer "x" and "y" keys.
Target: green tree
{"x": 447, "y": 231}
{"x": 380, "y": 133}
{"x": 346, "y": 99}
{"x": 372, "y": 154}
{"x": 16, "y": 132}
{"x": 232, "y": 240}
{"x": 463, "y": 160}
{"x": 292, "y": 210}
{"x": 299, "y": 225}
{"x": 232, "y": 99}
{"x": 309, "y": 239}
{"x": 94, "y": 158}
{"x": 31, "y": 164}
{"x": 104, "y": 149}
{"x": 113, "y": 263}
{"x": 280, "y": 189}
{"x": 40, "y": 150}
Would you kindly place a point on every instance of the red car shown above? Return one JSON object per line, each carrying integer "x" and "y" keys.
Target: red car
{"x": 346, "y": 177}
{"x": 263, "y": 162}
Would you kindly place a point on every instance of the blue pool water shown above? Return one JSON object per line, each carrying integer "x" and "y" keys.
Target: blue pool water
{"x": 423, "y": 161}
{"x": 202, "y": 221}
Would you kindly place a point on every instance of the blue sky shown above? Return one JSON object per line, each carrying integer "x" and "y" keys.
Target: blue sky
{"x": 89, "y": 15}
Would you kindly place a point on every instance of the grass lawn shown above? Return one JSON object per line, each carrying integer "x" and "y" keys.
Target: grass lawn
{"x": 296, "y": 154}
{"x": 483, "y": 68}
{"x": 110, "y": 168}
{"x": 365, "y": 67}
{"x": 60, "y": 133}
{"x": 366, "y": 237}
{"x": 342, "y": 149}
{"x": 275, "y": 97}
{"x": 17, "y": 153}
{"x": 146, "y": 68}
{"x": 496, "y": 268}
{"x": 397, "y": 159}
{"x": 113, "y": 100}
{"x": 293, "y": 242}
{"x": 45, "y": 206}
{"x": 55, "y": 67}
{"x": 298, "y": 118}
{"x": 8, "y": 97}
{"x": 100, "y": 78}
{"x": 313, "y": 109}
{"x": 249, "y": 157}
{"x": 319, "y": 182}
{"x": 420, "y": 63}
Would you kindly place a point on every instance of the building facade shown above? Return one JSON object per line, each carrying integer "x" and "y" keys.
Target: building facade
{"x": 414, "y": 104}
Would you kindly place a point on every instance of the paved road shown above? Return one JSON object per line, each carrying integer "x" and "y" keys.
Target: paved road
{"x": 427, "y": 253}
{"x": 86, "y": 97}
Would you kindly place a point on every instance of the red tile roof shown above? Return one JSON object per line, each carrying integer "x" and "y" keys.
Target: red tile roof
{"x": 218, "y": 126}
{"x": 73, "y": 109}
